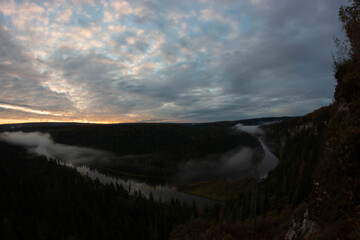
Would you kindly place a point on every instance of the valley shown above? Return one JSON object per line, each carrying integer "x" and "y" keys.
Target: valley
{"x": 72, "y": 168}
{"x": 139, "y": 169}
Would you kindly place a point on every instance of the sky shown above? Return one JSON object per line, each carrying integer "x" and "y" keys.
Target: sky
{"x": 165, "y": 60}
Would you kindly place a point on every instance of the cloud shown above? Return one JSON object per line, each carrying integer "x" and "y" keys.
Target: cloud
{"x": 64, "y": 16}
{"x": 21, "y": 84}
{"x": 168, "y": 60}
{"x": 25, "y": 109}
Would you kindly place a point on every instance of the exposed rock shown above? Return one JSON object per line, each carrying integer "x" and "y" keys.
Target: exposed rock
{"x": 343, "y": 106}
{"x": 301, "y": 230}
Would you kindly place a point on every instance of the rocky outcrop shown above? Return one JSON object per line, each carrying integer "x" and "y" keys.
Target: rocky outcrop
{"x": 301, "y": 229}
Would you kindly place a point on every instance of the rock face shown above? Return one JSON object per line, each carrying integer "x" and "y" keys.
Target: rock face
{"x": 301, "y": 230}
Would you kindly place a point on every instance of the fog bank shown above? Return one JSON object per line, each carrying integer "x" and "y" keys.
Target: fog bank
{"x": 269, "y": 161}
{"x": 42, "y": 144}
{"x": 235, "y": 164}
{"x": 230, "y": 166}
{"x": 252, "y": 129}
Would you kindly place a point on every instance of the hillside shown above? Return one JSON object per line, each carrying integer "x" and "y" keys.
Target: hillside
{"x": 41, "y": 199}
{"x": 314, "y": 192}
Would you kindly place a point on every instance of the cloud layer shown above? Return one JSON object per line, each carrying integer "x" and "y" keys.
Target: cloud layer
{"x": 124, "y": 61}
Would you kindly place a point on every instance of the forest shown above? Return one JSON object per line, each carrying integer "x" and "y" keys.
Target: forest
{"x": 41, "y": 199}
{"x": 155, "y": 150}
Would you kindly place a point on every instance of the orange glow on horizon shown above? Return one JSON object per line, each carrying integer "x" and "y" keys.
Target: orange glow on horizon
{"x": 17, "y": 121}
{"x": 33, "y": 120}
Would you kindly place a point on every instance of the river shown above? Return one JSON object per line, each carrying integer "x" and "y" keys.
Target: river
{"x": 81, "y": 157}
{"x": 269, "y": 161}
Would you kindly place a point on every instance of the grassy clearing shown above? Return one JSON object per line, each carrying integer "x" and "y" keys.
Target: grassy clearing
{"x": 218, "y": 190}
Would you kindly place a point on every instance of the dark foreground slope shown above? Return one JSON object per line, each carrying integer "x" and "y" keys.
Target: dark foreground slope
{"x": 39, "y": 199}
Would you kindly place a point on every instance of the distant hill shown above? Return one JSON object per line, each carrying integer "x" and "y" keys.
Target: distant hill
{"x": 18, "y": 126}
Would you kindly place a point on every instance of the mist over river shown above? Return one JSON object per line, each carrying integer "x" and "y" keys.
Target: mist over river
{"x": 235, "y": 164}
{"x": 269, "y": 161}
{"x": 78, "y": 157}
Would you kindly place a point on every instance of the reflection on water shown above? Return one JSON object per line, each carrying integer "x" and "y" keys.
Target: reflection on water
{"x": 269, "y": 162}
{"x": 164, "y": 192}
